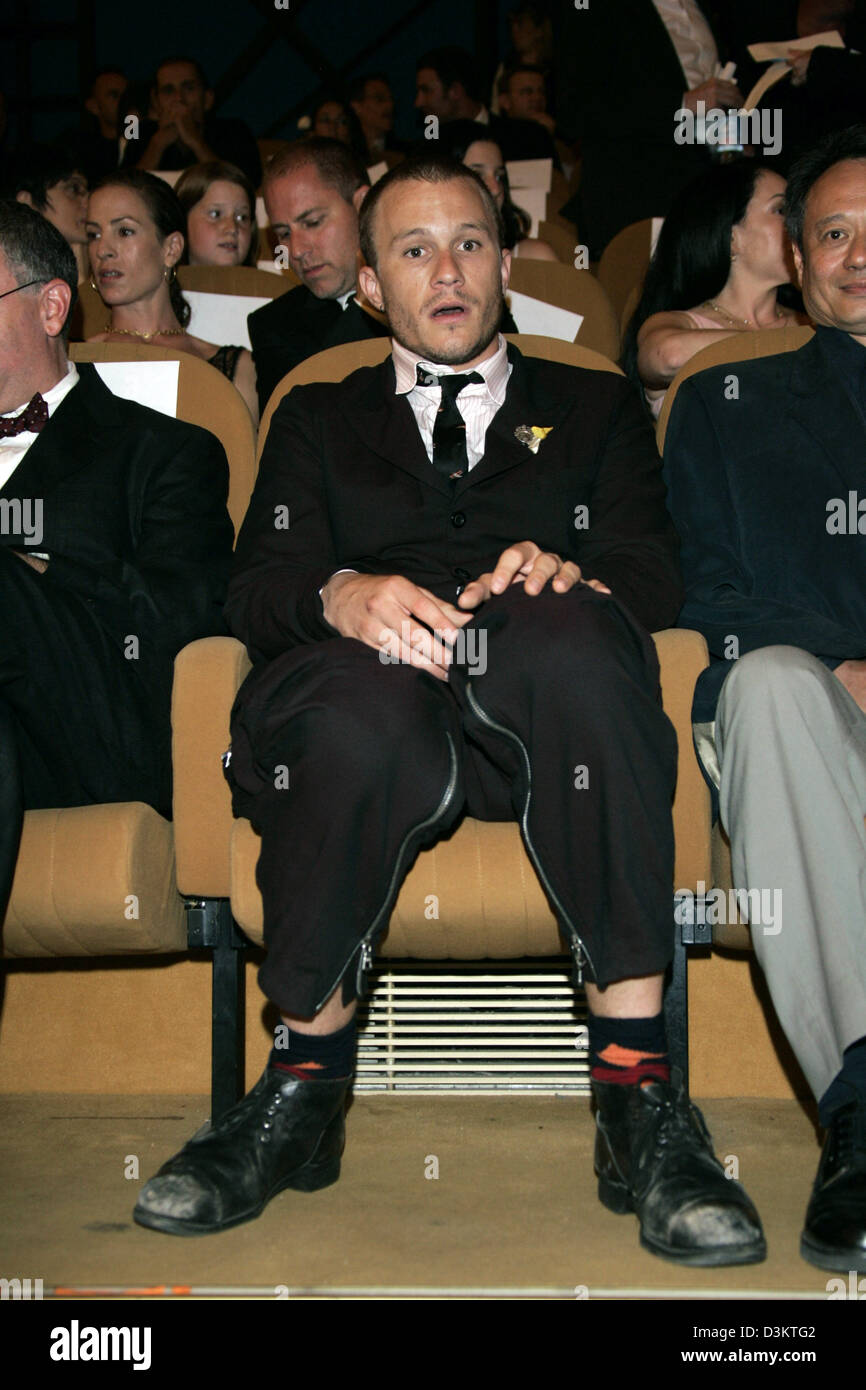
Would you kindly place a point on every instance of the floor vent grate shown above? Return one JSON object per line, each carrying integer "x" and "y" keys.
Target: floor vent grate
{"x": 479, "y": 1027}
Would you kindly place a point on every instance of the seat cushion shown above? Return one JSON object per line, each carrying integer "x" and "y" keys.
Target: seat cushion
{"x": 473, "y": 896}
{"x": 95, "y": 881}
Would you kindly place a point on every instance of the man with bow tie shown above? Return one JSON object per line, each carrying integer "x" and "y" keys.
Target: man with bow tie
{"x": 114, "y": 552}
{"x": 458, "y": 486}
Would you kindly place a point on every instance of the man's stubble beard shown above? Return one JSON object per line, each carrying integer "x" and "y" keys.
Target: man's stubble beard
{"x": 451, "y": 358}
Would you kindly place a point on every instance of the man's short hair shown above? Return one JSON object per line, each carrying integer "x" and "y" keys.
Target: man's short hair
{"x": 35, "y": 250}
{"x": 834, "y": 148}
{"x": 357, "y": 89}
{"x": 504, "y": 83}
{"x": 38, "y": 168}
{"x": 421, "y": 168}
{"x": 452, "y": 64}
{"x": 183, "y": 58}
{"x": 334, "y": 162}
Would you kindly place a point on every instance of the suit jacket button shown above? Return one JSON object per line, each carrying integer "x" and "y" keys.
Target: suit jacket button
{"x": 458, "y": 518}
{"x": 463, "y": 575}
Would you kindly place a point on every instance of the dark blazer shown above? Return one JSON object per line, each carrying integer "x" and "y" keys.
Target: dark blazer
{"x": 619, "y": 83}
{"x": 749, "y": 480}
{"x": 349, "y": 462}
{"x": 134, "y": 520}
{"x": 298, "y": 325}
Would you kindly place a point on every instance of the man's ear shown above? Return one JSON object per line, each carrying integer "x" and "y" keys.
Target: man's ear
{"x": 504, "y": 102}
{"x": 798, "y": 262}
{"x": 22, "y": 196}
{"x": 173, "y": 247}
{"x": 506, "y": 268}
{"x": 54, "y": 300}
{"x": 370, "y": 287}
{"x": 208, "y": 99}
{"x": 92, "y": 106}
{"x": 359, "y": 195}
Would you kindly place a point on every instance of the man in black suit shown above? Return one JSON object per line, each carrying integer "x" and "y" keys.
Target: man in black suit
{"x": 767, "y": 484}
{"x": 414, "y": 660}
{"x": 623, "y": 70}
{"x": 312, "y": 193}
{"x": 114, "y": 551}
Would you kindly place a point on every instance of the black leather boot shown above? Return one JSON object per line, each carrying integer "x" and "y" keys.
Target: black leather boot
{"x": 654, "y": 1156}
{"x": 284, "y": 1133}
{"x": 834, "y": 1236}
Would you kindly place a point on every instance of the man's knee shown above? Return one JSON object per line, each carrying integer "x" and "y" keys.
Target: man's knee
{"x": 772, "y": 682}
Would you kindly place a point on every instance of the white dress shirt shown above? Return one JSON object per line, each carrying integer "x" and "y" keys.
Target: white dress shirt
{"x": 477, "y": 402}
{"x": 13, "y": 449}
{"x": 692, "y": 38}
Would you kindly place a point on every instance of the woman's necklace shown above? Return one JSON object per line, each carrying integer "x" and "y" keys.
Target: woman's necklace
{"x": 745, "y": 323}
{"x": 157, "y": 332}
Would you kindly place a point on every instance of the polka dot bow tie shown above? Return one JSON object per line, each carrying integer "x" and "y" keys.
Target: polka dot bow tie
{"x": 32, "y": 418}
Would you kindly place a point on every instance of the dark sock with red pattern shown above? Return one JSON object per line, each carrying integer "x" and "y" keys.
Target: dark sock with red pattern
{"x": 628, "y": 1051}
{"x": 315, "y": 1056}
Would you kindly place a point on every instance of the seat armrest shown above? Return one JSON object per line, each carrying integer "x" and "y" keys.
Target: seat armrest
{"x": 682, "y": 657}
{"x": 207, "y": 676}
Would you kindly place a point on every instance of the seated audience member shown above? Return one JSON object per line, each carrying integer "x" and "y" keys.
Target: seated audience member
{"x": 135, "y": 231}
{"x": 721, "y": 256}
{"x": 472, "y": 144}
{"x": 312, "y": 193}
{"x": 49, "y": 180}
{"x": 96, "y": 147}
{"x": 763, "y": 486}
{"x": 531, "y": 29}
{"x": 386, "y": 755}
{"x": 185, "y": 130}
{"x": 220, "y": 206}
{"x": 122, "y": 531}
{"x": 448, "y": 87}
{"x": 373, "y": 104}
{"x": 332, "y": 118}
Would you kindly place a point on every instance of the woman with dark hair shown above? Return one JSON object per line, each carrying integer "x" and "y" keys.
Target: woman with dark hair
{"x": 722, "y": 254}
{"x": 219, "y": 202}
{"x": 333, "y": 118}
{"x": 471, "y": 143}
{"x": 135, "y": 232}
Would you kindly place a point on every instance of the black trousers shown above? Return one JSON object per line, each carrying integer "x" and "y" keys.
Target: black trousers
{"x": 80, "y": 724}
{"x": 346, "y": 766}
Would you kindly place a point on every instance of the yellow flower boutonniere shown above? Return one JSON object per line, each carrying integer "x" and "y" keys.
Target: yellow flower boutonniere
{"x": 532, "y": 435}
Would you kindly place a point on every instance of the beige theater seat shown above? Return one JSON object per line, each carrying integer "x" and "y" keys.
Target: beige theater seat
{"x": 490, "y": 901}
{"x": 100, "y": 880}
{"x": 624, "y": 262}
{"x": 576, "y": 290}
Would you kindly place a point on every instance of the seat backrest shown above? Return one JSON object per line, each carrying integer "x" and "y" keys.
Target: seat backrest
{"x": 563, "y": 242}
{"x": 244, "y": 280}
{"x": 624, "y": 262}
{"x": 740, "y": 347}
{"x": 338, "y": 362}
{"x": 576, "y": 290}
{"x": 204, "y": 397}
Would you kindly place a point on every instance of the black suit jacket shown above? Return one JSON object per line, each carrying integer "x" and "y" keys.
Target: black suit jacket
{"x": 349, "y": 462}
{"x": 134, "y": 520}
{"x": 298, "y": 325}
{"x": 749, "y": 480}
{"x": 619, "y": 83}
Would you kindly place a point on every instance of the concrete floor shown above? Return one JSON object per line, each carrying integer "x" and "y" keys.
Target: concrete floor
{"x": 513, "y": 1212}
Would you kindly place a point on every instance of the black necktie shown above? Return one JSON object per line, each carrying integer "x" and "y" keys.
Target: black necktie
{"x": 449, "y": 432}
